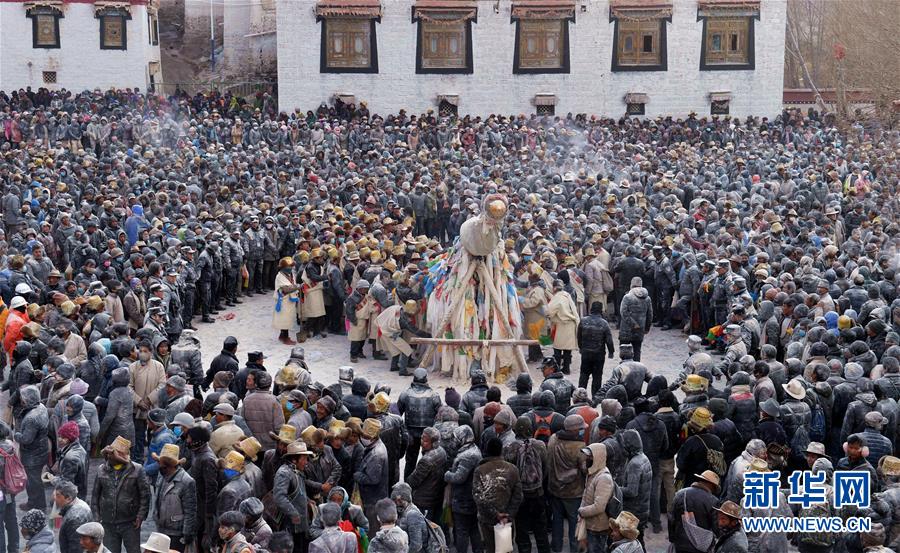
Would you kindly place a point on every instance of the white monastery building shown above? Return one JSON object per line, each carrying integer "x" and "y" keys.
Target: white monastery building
{"x": 611, "y": 57}
{"x": 79, "y": 44}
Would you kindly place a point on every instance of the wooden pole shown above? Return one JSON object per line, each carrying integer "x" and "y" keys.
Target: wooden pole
{"x": 466, "y": 342}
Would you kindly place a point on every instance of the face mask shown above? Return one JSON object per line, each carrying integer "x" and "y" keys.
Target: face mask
{"x": 177, "y": 431}
{"x": 144, "y": 356}
{"x": 289, "y": 406}
{"x": 118, "y": 466}
{"x": 230, "y": 473}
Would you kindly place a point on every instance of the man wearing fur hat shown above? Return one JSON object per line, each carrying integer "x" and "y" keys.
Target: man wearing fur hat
{"x": 176, "y": 499}
{"x": 121, "y": 497}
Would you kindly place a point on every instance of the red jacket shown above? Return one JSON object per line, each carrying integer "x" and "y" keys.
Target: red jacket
{"x": 13, "y": 330}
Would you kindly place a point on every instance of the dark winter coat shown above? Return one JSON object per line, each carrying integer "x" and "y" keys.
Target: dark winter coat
{"x": 427, "y": 479}
{"x": 119, "y": 417}
{"x": 176, "y": 505}
{"x": 636, "y": 313}
{"x": 120, "y": 496}
{"x": 654, "y": 436}
{"x": 637, "y": 477}
{"x": 290, "y": 498}
{"x": 372, "y": 473}
{"x": 356, "y": 402}
{"x": 73, "y": 466}
{"x": 562, "y": 390}
{"x": 204, "y": 472}
{"x": 692, "y": 458}
{"x": 236, "y": 490}
{"x": 73, "y": 515}
{"x": 473, "y": 399}
{"x": 854, "y": 420}
{"x": 594, "y": 335}
{"x": 698, "y": 501}
{"x": 496, "y": 489}
{"x": 419, "y": 405}
{"x": 461, "y": 474}
{"x": 42, "y": 542}
{"x": 34, "y": 443}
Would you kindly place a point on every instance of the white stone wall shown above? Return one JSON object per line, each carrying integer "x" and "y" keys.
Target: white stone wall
{"x": 79, "y": 63}
{"x": 589, "y": 87}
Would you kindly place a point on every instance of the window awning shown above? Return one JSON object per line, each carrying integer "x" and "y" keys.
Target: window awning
{"x": 102, "y": 7}
{"x": 636, "y": 98}
{"x": 720, "y": 96}
{"x": 44, "y": 6}
{"x": 348, "y": 8}
{"x": 543, "y": 9}
{"x": 449, "y": 98}
{"x": 544, "y": 99}
{"x": 728, "y": 8}
{"x": 445, "y": 11}
{"x": 345, "y": 97}
{"x": 640, "y": 10}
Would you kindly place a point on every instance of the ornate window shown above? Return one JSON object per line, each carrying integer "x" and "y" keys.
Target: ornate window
{"x": 113, "y": 27}
{"x": 542, "y": 35}
{"x": 349, "y": 44}
{"x": 640, "y": 34}
{"x": 728, "y": 41}
{"x": 44, "y": 25}
{"x": 542, "y": 44}
{"x": 49, "y": 77}
{"x": 444, "y": 42}
{"x": 636, "y": 103}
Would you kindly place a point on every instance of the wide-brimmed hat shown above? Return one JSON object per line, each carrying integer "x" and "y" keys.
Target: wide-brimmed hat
{"x": 770, "y": 407}
{"x": 312, "y": 435}
{"x": 730, "y": 509}
{"x": 248, "y": 447}
{"x": 627, "y": 525}
{"x": 286, "y": 434}
{"x": 297, "y": 448}
{"x": 795, "y": 389}
{"x": 758, "y": 465}
{"x": 156, "y": 542}
{"x": 816, "y": 448}
{"x": 709, "y": 476}
{"x": 120, "y": 448}
{"x": 169, "y": 452}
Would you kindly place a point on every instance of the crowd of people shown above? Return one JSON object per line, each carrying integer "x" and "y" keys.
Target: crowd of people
{"x": 770, "y": 243}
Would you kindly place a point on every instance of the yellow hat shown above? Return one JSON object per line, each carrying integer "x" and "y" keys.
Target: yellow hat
{"x": 410, "y": 307}
{"x": 312, "y": 435}
{"x": 844, "y": 322}
{"x": 695, "y": 383}
{"x": 375, "y": 256}
{"x": 380, "y": 403}
{"x": 303, "y": 256}
{"x": 121, "y": 448}
{"x": 233, "y": 461}
{"x": 94, "y": 303}
{"x": 333, "y": 253}
{"x": 364, "y": 251}
{"x": 170, "y": 452}
{"x": 67, "y": 307}
{"x": 389, "y": 264}
{"x": 286, "y": 434}
{"x": 701, "y": 418}
{"x": 249, "y": 447}
{"x": 388, "y": 244}
{"x": 316, "y": 252}
{"x": 371, "y": 428}
{"x": 889, "y": 465}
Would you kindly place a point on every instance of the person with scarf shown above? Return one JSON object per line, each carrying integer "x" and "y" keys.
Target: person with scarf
{"x": 287, "y": 302}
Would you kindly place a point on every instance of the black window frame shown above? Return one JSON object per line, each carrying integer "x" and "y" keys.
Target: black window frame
{"x": 751, "y": 42}
{"x": 663, "y": 64}
{"x": 470, "y": 57}
{"x": 106, "y": 14}
{"x": 32, "y": 14}
{"x": 566, "y": 65}
{"x": 153, "y": 27}
{"x": 629, "y": 112}
{"x": 373, "y": 48}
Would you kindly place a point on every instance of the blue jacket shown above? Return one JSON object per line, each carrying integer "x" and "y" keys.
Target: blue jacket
{"x": 162, "y": 437}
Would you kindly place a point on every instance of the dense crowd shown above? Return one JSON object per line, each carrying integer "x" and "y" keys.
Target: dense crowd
{"x": 772, "y": 244}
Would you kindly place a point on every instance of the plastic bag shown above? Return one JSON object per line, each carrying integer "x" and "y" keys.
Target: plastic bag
{"x": 503, "y": 537}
